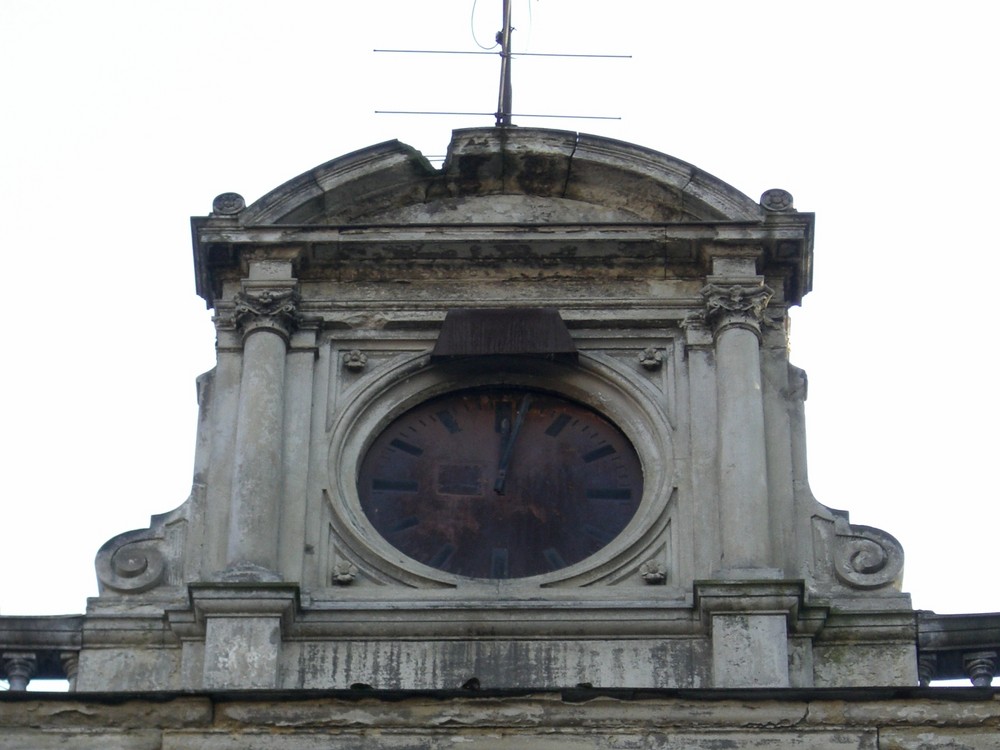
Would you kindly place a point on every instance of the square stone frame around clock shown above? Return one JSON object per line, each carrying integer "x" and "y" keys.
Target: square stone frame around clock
{"x": 604, "y": 379}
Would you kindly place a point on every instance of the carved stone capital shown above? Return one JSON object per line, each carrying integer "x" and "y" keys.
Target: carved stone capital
{"x": 267, "y": 309}
{"x": 735, "y": 305}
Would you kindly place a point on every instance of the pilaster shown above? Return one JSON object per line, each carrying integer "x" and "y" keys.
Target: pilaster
{"x": 265, "y": 315}
{"x": 735, "y": 299}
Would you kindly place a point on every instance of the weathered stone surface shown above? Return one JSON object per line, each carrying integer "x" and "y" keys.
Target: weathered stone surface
{"x": 123, "y": 712}
{"x": 703, "y": 720}
{"x": 933, "y": 739}
{"x": 329, "y": 295}
{"x": 150, "y": 739}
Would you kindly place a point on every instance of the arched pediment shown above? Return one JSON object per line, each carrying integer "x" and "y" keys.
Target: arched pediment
{"x": 503, "y": 175}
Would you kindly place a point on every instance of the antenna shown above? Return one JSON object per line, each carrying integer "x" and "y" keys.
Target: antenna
{"x": 505, "y": 104}
{"x": 504, "y": 114}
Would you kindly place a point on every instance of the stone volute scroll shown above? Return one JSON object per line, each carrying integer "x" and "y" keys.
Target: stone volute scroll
{"x": 131, "y": 563}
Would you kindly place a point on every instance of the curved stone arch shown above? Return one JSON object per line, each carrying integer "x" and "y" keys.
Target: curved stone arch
{"x": 391, "y": 182}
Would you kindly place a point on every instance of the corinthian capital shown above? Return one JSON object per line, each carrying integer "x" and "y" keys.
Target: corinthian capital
{"x": 735, "y": 305}
{"x": 268, "y": 309}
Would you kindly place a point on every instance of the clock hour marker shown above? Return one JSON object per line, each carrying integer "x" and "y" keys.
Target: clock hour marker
{"x": 406, "y": 447}
{"x": 498, "y": 564}
{"x": 395, "y": 485}
{"x": 448, "y": 420}
{"x": 557, "y": 425}
{"x": 554, "y": 559}
{"x": 404, "y": 524}
{"x": 597, "y": 533}
{"x": 605, "y": 450}
{"x": 609, "y": 493}
{"x": 442, "y": 555}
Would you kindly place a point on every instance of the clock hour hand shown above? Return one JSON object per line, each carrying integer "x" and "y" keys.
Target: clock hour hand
{"x": 508, "y": 448}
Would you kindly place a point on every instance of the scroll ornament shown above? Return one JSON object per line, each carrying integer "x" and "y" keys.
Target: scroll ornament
{"x": 866, "y": 557}
{"x": 130, "y": 563}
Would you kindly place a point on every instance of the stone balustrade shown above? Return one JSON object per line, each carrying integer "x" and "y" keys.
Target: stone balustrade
{"x": 39, "y": 648}
{"x": 956, "y": 647}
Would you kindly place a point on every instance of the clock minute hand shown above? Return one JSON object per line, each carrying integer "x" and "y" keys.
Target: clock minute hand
{"x": 508, "y": 448}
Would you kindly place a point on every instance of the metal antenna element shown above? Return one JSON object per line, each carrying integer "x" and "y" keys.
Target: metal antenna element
{"x": 505, "y": 113}
{"x": 505, "y": 103}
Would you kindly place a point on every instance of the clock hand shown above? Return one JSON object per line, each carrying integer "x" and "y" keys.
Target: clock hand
{"x": 508, "y": 448}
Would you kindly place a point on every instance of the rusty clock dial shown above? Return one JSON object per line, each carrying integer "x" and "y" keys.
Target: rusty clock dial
{"x": 500, "y": 482}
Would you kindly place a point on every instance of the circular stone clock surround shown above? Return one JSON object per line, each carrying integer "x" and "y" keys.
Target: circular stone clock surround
{"x": 412, "y": 380}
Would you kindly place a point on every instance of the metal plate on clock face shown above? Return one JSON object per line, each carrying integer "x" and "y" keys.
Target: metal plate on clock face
{"x": 500, "y": 482}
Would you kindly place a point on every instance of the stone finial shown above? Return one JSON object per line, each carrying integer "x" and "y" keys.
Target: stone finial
{"x": 228, "y": 204}
{"x": 777, "y": 200}
{"x": 19, "y": 668}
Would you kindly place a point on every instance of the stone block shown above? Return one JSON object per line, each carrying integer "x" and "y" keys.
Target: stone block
{"x": 749, "y": 650}
{"x": 242, "y": 652}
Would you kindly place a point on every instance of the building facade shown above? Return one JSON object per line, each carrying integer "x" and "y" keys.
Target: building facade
{"x": 518, "y": 426}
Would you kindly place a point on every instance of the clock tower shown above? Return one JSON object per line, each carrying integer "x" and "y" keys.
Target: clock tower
{"x": 527, "y": 420}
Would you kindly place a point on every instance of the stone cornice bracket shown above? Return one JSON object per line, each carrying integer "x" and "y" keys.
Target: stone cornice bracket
{"x": 736, "y": 305}
{"x": 269, "y": 309}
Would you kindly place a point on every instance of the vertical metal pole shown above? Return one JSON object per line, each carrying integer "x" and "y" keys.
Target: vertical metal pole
{"x": 504, "y": 107}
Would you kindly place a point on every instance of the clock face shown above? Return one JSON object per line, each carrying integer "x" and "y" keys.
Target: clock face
{"x": 500, "y": 482}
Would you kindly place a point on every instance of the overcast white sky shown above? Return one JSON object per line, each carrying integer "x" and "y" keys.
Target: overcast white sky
{"x": 122, "y": 119}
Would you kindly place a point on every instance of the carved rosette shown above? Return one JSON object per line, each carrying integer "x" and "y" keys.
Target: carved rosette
{"x": 736, "y": 306}
{"x": 267, "y": 309}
